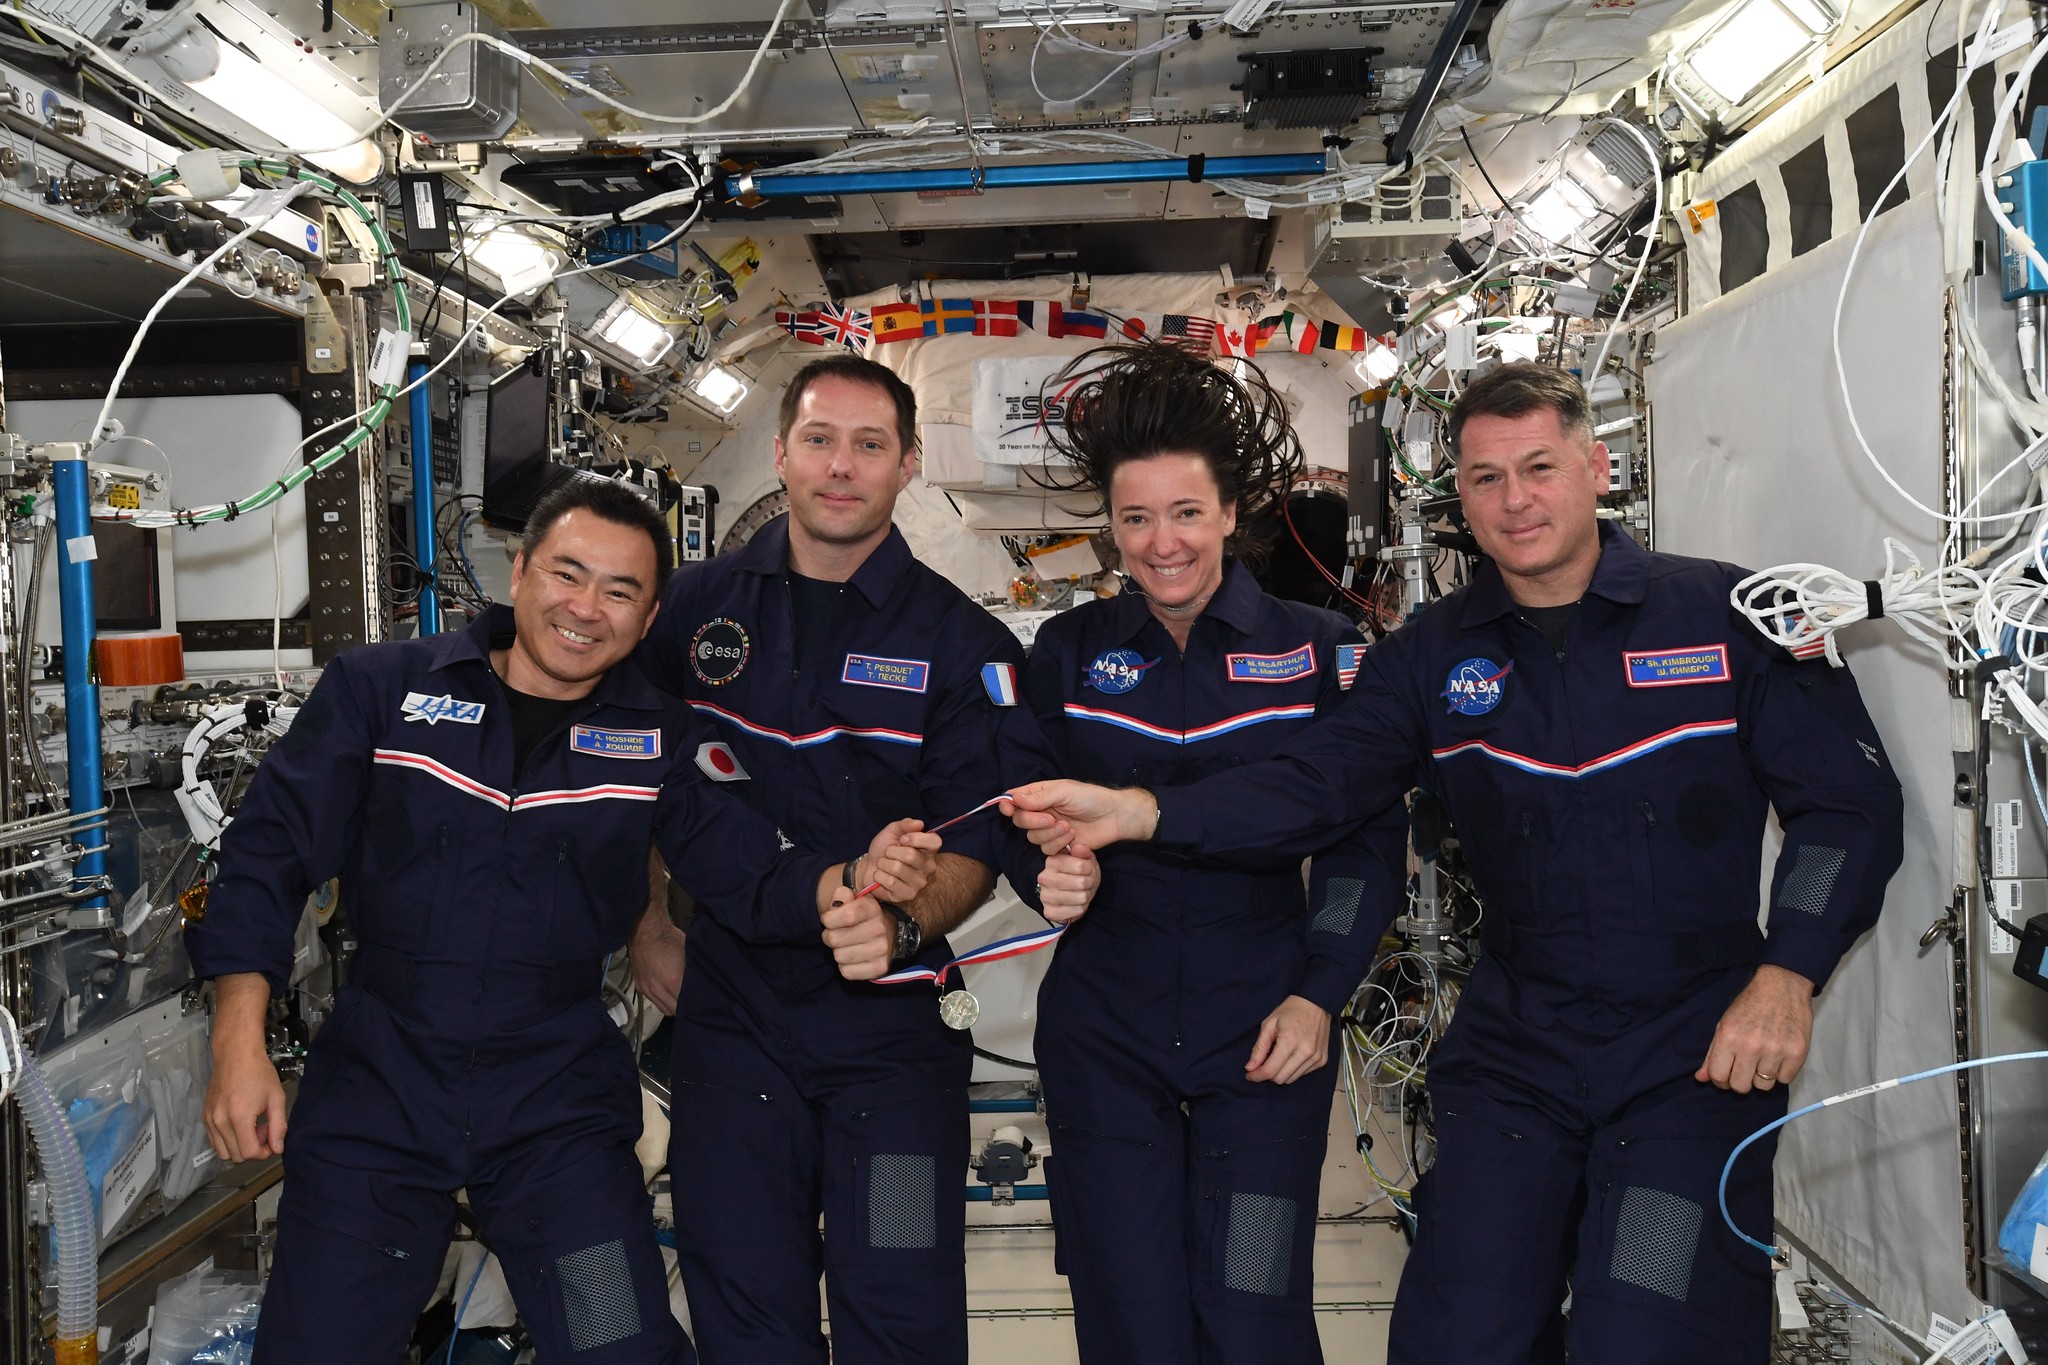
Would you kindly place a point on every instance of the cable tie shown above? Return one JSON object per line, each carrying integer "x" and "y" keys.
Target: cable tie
{"x": 1196, "y": 162}
{"x": 1873, "y": 599}
{"x": 232, "y": 513}
{"x": 1987, "y": 668}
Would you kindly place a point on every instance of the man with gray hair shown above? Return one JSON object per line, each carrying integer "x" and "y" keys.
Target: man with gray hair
{"x": 1608, "y": 736}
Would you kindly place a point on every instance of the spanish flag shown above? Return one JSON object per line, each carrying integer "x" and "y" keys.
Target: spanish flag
{"x": 897, "y": 322}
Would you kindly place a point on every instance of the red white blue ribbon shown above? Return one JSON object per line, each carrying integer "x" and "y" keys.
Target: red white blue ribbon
{"x": 872, "y": 887}
{"x": 987, "y": 952}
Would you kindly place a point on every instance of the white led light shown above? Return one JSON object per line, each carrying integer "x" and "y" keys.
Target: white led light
{"x": 520, "y": 262}
{"x": 1378, "y": 363}
{"x": 638, "y": 335}
{"x": 1756, "y": 42}
{"x": 720, "y": 389}
{"x": 1560, "y": 211}
{"x": 287, "y": 115}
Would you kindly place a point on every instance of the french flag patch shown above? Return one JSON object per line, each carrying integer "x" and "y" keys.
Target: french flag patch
{"x": 1348, "y": 659}
{"x": 1001, "y": 682}
{"x": 718, "y": 762}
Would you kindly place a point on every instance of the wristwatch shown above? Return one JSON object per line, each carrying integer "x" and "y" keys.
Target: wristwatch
{"x": 909, "y": 937}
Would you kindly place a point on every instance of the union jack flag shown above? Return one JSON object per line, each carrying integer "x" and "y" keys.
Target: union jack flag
{"x": 847, "y": 326}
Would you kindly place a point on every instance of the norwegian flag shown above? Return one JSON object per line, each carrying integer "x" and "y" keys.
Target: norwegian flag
{"x": 804, "y": 327}
{"x": 1190, "y": 334}
{"x": 847, "y": 326}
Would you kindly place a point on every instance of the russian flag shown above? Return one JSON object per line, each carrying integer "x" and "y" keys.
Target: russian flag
{"x": 1001, "y": 682}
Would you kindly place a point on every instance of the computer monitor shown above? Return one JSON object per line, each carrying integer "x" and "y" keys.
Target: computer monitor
{"x": 517, "y": 472}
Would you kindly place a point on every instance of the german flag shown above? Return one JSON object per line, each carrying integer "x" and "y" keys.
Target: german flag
{"x": 897, "y": 322}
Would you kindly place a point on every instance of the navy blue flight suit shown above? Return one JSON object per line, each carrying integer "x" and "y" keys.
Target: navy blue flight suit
{"x": 1183, "y": 1194}
{"x": 470, "y": 1048}
{"x": 797, "y": 1091}
{"x": 1611, "y": 799}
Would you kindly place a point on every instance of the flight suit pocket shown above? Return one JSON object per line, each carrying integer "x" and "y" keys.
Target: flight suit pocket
{"x": 1258, "y": 1219}
{"x": 900, "y": 1188}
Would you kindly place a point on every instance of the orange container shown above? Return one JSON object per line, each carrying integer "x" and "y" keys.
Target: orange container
{"x": 142, "y": 659}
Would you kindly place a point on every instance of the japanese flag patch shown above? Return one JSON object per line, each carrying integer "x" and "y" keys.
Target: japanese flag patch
{"x": 718, "y": 762}
{"x": 1001, "y": 682}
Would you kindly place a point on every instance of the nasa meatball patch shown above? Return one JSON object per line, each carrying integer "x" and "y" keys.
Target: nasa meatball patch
{"x": 1117, "y": 670}
{"x": 1476, "y": 686}
{"x": 718, "y": 651}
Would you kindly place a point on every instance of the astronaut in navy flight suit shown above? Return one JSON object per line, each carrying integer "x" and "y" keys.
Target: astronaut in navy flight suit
{"x": 487, "y": 799}
{"x": 1184, "y": 1027}
{"x": 848, "y": 684}
{"x": 1608, "y": 736}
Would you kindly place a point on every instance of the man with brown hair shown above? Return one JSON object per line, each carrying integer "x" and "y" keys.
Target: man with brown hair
{"x": 844, "y": 679}
{"x": 1608, "y": 736}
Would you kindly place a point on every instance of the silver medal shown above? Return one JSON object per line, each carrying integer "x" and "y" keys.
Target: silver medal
{"x": 959, "y": 1009}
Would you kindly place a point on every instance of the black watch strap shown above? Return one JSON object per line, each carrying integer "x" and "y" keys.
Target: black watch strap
{"x": 909, "y": 934}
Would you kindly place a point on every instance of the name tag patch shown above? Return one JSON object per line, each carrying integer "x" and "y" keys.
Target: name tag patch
{"x": 901, "y": 675}
{"x": 434, "y": 710}
{"x": 1348, "y": 659}
{"x": 1272, "y": 668}
{"x": 589, "y": 739}
{"x": 1677, "y": 667}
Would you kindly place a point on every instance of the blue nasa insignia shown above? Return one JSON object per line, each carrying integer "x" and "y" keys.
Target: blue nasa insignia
{"x": 591, "y": 739}
{"x": 1117, "y": 671}
{"x": 1475, "y": 686}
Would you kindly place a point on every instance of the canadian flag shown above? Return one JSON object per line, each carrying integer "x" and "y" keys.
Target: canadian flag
{"x": 719, "y": 763}
{"x": 1234, "y": 340}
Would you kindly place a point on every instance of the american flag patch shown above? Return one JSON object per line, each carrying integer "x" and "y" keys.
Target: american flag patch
{"x": 1348, "y": 659}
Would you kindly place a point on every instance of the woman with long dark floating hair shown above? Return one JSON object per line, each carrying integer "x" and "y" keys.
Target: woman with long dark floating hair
{"x": 1185, "y": 1024}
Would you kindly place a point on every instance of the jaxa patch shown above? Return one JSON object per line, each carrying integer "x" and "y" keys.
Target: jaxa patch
{"x": 1349, "y": 657}
{"x": 589, "y": 739}
{"x": 900, "y": 675}
{"x": 1271, "y": 668}
{"x": 434, "y": 710}
{"x": 1116, "y": 671}
{"x": 1476, "y": 686}
{"x": 1000, "y": 681}
{"x": 718, "y": 762}
{"x": 1676, "y": 667}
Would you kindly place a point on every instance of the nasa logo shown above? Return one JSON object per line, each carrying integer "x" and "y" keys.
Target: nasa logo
{"x": 313, "y": 238}
{"x": 718, "y": 651}
{"x": 1117, "y": 671}
{"x": 1475, "y": 686}
{"x": 434, "y": 710}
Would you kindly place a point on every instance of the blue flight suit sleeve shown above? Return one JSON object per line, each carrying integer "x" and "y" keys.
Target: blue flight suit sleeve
{"x": 729, "y": 856}
{"x": 1348, "y": 767}
{"x": 293, "y": 832}
{"x": 1355, "y": 888}
{"x": 1815, "y": 753}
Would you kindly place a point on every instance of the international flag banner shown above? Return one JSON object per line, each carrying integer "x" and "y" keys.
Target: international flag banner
{"x": 995, "y": 317}
{"x": 1073, "y": 324}
{"x": 849, "y": 327}
{"x": 1297, "y": 329}
{"x": 1335, "y": 338}
{"x": 1136, "y": 327}
{"x": 1190, "y": 334}
{"x": 1235, "y": 339}
{"x": 940, "y": 316}
{"x": 1263, "y": 331}
{"x": 896, "y": 322}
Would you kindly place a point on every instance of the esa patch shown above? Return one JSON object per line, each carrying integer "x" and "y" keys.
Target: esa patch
{"x": 1476, "y": 686}
{"x": 1000, "y": 681}
{"x": 1349, "y": 657}
{"x": 1116, "y": 671}
{"x": 718, "y": 762}
{"x": 1271, "y": 668}
{"x": 434, "y": 710}
{"x": 1676, "y": 667}
{"x": 590, "y": 739}
{"x": 899, "y": 675}
{"x": 718, "y": 651}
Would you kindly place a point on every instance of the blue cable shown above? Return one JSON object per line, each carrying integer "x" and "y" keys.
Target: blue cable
{"x": 1857, "y": 1093}
{"x": 456, "y": 1329}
